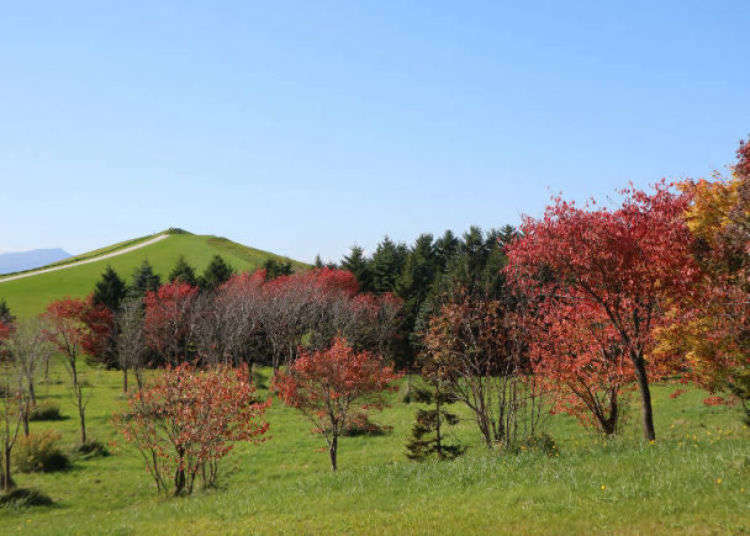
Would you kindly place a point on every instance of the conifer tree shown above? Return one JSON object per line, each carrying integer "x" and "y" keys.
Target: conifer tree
{"x": 110, "y": 290}
{"x": 276, "y": 268}
{"x": 358, "y": 264}
{"x": 183, "y": 273}
{"x": 5, "y": 315}
{"x": 387, "y": 263}
{"x": 144, "y": 280}
{"x": 217, "y": 272}
{"x": 428, "y": 432}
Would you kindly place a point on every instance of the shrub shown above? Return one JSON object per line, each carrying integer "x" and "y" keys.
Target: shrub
{"x": 92, "y": 449}
{"x": 20, "y": 498}
{"x": 186, "y": 423}
{"x": 46, "y": 412}
{"x": 542, "y": 443}
{"x": 40, "y": 453}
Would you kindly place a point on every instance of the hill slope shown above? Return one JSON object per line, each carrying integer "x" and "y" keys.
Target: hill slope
{"x": 25, "y": 260}
{"x": 29, "y": 295}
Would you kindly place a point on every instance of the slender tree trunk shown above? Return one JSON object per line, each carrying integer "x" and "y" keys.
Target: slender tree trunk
{"x": 647, "y": 411}
{"x": 82, "y": 415}
{"x": 438, "y": 437}
{"x": 26, "y": 421}
{"x": 7, "y": 481}
{"x": 79, "y": 400}
{"x": 332, "y": 451}
{"x": 124, "y": 380}
{"x": 32, "y": 393}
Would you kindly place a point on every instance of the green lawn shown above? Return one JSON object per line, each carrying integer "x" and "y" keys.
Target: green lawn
{"x": 30, "y": 295}
{"x": 693, "y": 480}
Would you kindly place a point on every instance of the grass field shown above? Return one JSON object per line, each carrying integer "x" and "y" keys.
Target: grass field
{"x": 694, "y": 480}
{"x": 30, "y": 295}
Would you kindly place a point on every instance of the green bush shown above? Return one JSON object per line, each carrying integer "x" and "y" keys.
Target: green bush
{"x": 46, "y": 412}
{"x": 542, "y": 443}
{"x": 19, "y": 498}
{"x": 40, "y": 453}
{"x": 92, "y": 449}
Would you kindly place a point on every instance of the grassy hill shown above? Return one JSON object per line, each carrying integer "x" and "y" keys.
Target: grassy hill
{"x": 31, "y": 294}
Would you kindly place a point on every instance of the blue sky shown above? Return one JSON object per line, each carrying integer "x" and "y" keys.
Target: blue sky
{"x": 304, "y": 127}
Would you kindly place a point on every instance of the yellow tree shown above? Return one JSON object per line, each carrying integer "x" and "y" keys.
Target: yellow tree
{"x": 715, "y": 334}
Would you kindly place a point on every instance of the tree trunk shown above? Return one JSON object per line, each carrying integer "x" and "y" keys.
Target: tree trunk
{"x": 32, "y": 393}
{"x": 7, "y": 481}
{"x": 332, "y": 451}
{"x": 124, "y": 380}
{"x": 647, "y": 411}
{"x": 82, "y": 415}
{"x": 25, "y": 419}
{"x": 438, "y": 437}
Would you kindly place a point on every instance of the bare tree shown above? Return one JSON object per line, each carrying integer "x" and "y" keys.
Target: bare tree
{"x": 478, "y": 348}
{"x": 132, "y": 350}
{"x": 29, "y": 349}
{"x": 14, "y": 403}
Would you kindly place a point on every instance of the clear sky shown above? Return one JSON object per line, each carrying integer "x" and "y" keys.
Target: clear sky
{"x": 304, "y": 127}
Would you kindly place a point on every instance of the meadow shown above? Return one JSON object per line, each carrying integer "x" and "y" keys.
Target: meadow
{"x": 694, "y": 479}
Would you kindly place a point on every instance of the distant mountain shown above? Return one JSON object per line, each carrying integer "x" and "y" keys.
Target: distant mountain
{"x": 26, "y": 260}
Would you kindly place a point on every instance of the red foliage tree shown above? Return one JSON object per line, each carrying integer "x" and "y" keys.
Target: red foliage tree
{"x": 579, "y": 354}
{"x": 99, "y": 322}
{"x": 188, "y": 420}
{"x": 617, "y": 265}
{"x": 328, "y": 385}
{"x": 167, "y": 320}
{"x": 4, "y": 331}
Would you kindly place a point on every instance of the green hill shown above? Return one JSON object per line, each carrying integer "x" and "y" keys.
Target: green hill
{"x": 30, "y": 295}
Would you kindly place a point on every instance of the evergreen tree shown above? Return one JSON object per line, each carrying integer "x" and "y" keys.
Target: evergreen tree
{"x": 359, "y": 265}
{"x": 217, "y": 273}
{"x": 110, "y": 290}
{"x": 275, "y": 268}
{"x": 446, "y": 247}
{"x": 183, "y": 272}
{"x": 318, "y": 261}
{"x": 428, "y": 432}
{"x": 413, "y": 286}
{"x": 387, "y": 263}
{"x": 5, "y": 315}
{"x": 144, "y": 280}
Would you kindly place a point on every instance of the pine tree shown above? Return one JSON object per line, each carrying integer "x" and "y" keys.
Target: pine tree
{"x": 110, "y": 290}
{"x": 318, "y": 261}
{"x": 275, "y": 268}
{"x": 413, "y": 286}
{"x": 428, "y": 432}
{"x": 5, "y": 315}
{"x": 387, "y": 263}
{"x": 359, "y": 265}
{"x": 183, "y": 272}
{"x": 144, "y": 280}
{"x": 217, "y": 272}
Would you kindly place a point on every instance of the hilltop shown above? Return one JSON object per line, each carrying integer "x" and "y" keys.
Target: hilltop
{"x": 27, "y": 293}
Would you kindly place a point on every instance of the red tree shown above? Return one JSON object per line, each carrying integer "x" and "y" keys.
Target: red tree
{"x": 4, "y": 331}
{"x": 99, "y": 322}
{"x": 167, "y": 320}
{"x": 328, "y": 385}
{"x": 619, "y": 265}
{"x": 578, "y": 353}
{"x": 187, "y": 421}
